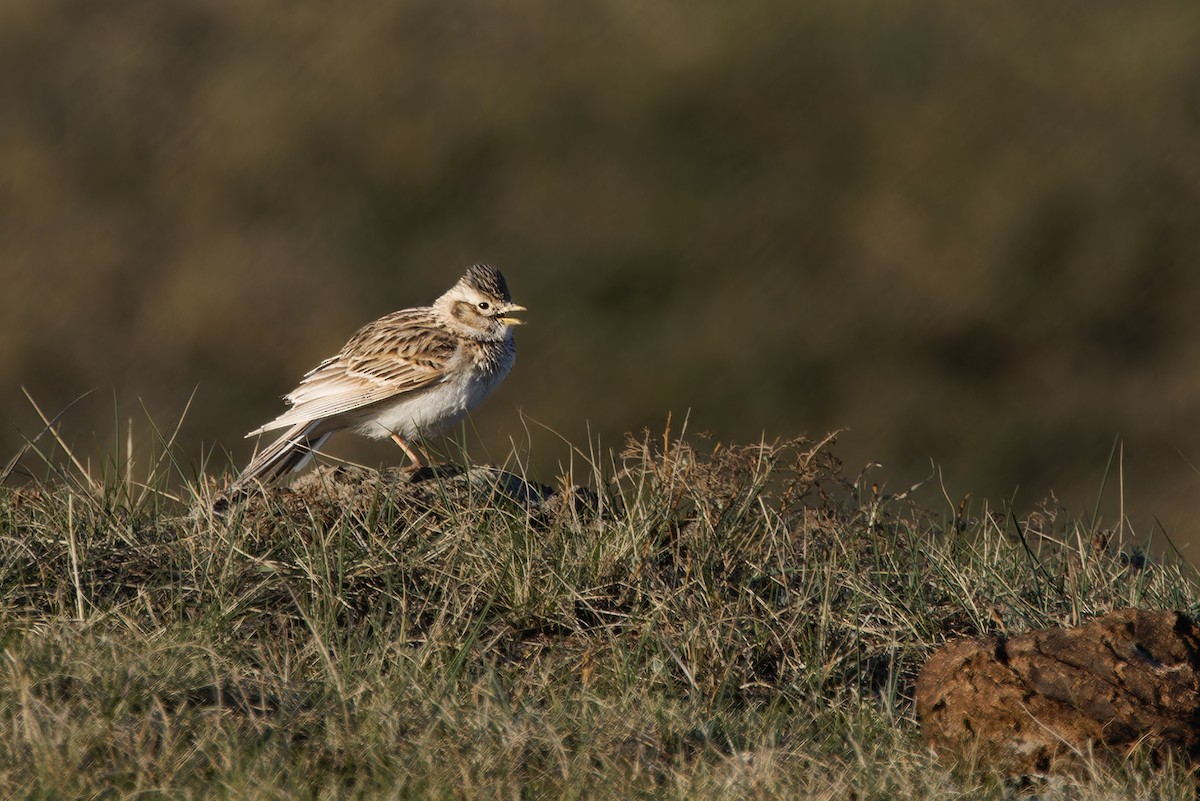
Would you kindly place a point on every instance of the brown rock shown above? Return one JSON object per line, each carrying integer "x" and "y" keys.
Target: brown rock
{"x": 1036, "y": 702}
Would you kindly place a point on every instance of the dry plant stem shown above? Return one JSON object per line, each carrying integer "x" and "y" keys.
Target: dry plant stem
{"x": 74, "y": 553}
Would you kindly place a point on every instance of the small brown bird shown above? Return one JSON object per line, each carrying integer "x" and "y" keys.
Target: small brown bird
{"x": 409, "y": 374}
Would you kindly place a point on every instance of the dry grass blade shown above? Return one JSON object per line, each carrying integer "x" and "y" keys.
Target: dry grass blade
{"x": 50, "y": 426}
{"x": 47, "y": 426}
{"x": 167, "y": 448}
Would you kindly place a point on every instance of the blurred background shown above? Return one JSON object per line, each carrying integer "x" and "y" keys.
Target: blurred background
{"x": 968, "y": 232}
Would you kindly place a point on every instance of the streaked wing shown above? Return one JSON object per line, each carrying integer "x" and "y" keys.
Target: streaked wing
{"x": 402, "y": 352}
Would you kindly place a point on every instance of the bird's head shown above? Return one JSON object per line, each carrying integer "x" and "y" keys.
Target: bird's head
{"x": 480, "y": 304}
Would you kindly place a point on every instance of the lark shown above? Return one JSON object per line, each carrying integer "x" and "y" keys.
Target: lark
{"x": 406, "y": 376}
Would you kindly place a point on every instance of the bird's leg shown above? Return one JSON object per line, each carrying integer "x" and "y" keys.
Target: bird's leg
{"x": 418, "y": 456}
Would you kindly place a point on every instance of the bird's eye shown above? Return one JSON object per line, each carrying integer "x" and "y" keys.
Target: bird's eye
{"x": 484, "y": 305}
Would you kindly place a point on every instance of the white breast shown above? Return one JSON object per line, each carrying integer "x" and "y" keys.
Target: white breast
{"x": 432, "y": 410}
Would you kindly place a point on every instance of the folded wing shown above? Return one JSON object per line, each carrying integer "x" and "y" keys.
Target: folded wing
{"x": 403, "y": 352}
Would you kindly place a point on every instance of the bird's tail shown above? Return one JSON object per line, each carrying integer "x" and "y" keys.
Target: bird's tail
{"x": 292, "y": 451}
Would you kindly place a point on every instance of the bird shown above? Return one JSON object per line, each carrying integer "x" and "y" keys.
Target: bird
{"x": 408, "y": 375}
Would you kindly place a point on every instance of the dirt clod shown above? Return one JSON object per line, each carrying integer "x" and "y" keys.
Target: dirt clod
{"x": 1039, "y": 701}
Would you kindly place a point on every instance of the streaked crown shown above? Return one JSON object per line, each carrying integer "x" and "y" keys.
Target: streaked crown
{"x": 487, "y": 279}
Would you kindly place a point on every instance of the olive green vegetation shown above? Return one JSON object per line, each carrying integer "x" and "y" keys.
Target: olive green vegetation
{"x": 673, "y": 621}
{"x": 967, "y": 232}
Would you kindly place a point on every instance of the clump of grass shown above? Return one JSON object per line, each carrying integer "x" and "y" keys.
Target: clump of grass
{"x": 684, "y": 622}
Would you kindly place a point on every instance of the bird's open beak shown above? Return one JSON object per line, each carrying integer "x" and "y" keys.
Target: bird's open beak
{"x": 512, "y": 320}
